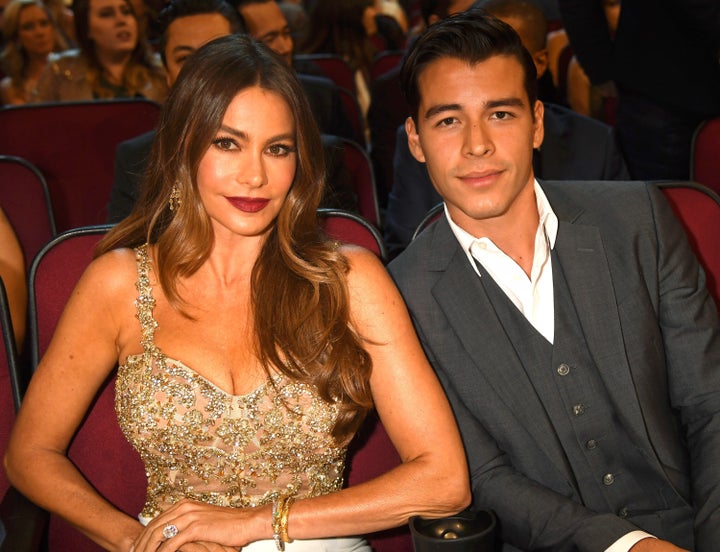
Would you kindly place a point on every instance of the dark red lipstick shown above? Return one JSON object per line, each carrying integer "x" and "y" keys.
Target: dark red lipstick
{"x": 249, "y": 204}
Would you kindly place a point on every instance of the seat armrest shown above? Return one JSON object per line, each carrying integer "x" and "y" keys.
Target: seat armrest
{"x": 25, "y": 523}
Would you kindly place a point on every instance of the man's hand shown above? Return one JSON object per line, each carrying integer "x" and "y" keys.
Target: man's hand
{"x": 656, "y": 545}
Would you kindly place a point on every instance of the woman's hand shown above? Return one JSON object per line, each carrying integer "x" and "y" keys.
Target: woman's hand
{"x": 203, "y": 527}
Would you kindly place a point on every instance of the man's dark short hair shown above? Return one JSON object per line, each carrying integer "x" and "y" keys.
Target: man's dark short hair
{"x": 472, "y": 36}
{"x": 176, "y": 9}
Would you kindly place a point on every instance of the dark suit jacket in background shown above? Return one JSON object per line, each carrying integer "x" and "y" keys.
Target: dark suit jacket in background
{"x": 131, "y": 158}
{"x": 575, "y": 147}
{"x": 652, "y": 330}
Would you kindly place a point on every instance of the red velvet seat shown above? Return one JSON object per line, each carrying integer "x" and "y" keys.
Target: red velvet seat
{"x": 25, "y": 199}
{"x": 348, "y": 227}
{"x": 698, "y": 209}
{"x": 705, "y": 154}
{"x": 73, "y": 145}
{"x": 360, "y": 168}
{"x": 334, "y": 67}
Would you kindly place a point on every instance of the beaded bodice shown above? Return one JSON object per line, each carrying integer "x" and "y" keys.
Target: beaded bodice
{"x": 200, "y": 442}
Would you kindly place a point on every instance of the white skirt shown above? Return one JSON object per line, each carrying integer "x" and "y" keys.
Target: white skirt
{"x": 340, "y": 544}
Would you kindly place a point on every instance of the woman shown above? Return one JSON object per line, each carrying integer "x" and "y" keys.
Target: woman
{"x": 286, "y": 340}
{"x": 345, "y": 28}
{"x": 31, "y": 36}
{"x": 111, "y": 62}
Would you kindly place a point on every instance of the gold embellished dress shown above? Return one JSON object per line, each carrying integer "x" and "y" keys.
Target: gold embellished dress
{"x": 200, "y": 442}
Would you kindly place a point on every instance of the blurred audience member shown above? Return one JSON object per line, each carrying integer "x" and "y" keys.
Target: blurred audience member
{"x": 31, "y": 35}
{"x": 296, "y": 16}
{"x": 64, "y": 19}
{"x": 339, "y": 28}
{"x": 581, "y": 95}
{"x": 113, "y": 61}
{"x": 663, "y": 62}
{"x": 265, "y": 22}
{"x": 12, "y": 272}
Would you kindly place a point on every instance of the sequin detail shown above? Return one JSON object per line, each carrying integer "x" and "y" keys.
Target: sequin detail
{"x": 199, "y": 442}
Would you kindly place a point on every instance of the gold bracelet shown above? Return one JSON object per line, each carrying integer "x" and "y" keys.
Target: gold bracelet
{"x": 280, "y": 511}
{"x": 276, "y": 509}
{"x": 284, "y": 519}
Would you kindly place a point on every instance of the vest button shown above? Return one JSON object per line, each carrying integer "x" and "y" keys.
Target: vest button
{"x": 623, "y": 512}
{"x": 608, "y": 479}
{"x": 579, "y": 409}
{"x": 591, "y": 444}
{"x": 563, "y": 369}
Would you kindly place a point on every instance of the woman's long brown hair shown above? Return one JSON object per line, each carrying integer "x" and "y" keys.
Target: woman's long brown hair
{"x": 299, "y": 292}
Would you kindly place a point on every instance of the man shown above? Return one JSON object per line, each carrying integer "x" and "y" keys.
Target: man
{"x": 266, "y": 23}
{"x": 185, "y": 26}
{"x": 574, "y": 147}
{"x": 662, "y": 62}
{"x": 568, "y": 321}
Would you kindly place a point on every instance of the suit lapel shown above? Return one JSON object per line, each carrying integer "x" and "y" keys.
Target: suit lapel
{"x": 489, "y": 350}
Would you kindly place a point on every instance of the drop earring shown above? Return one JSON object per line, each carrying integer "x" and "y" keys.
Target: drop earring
{"x": 175, "y": 199}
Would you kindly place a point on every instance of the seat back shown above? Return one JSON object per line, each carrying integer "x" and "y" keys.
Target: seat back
{"x": 347, "y": 227}
{"x": 385, "y": 61}
{"x": 99, "y": 449}
{"x": 431, "y": 216}
{"x": 705, "y": 156}
{"x": 333, "y": 67}
{"x": 698, "y": 209}
{"x": 73, "y": 146}
{"x": 359, "y": 166}
{"x": 25, "y": 198}
{"x": 353, "y": 112}
{"x": 9, "y": 382}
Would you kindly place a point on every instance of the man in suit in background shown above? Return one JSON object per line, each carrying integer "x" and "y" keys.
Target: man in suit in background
{"x": 569, "y": 322}
{"x": 574, "y": 147}
{"x": 266, "y": 23}
{"x": 663, "y": 62}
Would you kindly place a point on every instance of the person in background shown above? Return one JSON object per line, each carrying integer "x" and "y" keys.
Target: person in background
{"x": 32, "y": 35}
{"x": 112, "y": 60}
{"x": 662, "y": 63}
{"x": 12, "y": 273}
{"x": 265, "y": 22}
{"x": 574, "y": 147}
{"x": 339, "y": 28}
{"x": 569, "y": 321}
{"x": 250, "y": 346}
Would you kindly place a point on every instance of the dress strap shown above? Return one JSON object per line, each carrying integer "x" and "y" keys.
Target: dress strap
{"x": 145, "y": 301}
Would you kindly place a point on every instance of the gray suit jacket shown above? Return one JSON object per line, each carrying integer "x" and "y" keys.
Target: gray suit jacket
{"x": 652, "y": 330}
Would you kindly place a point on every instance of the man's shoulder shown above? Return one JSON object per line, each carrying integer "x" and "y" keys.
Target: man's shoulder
{"x": 137, "y": 144}
{"x": 418, "y": 255}
{"x": 560, "y": 119}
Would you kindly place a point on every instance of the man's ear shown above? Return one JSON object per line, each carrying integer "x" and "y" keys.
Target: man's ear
{"x": 538, "y": 124}
{"x": 414, "y": 140}
{"x": 541, "y": 60}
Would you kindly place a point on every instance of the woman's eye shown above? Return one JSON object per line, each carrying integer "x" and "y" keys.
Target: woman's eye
{"x": 280, "y": 150}
{"x": 224, "y": 143}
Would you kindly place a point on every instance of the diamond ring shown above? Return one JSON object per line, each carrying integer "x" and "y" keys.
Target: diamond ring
{"x": 169, "y": 531}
